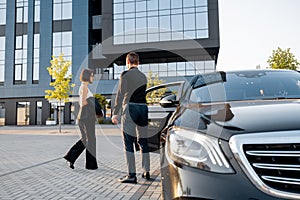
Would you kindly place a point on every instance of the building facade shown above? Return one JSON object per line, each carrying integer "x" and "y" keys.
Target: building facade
{"x": 174, "y": 38}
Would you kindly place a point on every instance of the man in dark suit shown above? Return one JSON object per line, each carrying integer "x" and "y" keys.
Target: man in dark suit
{"x": 131, "y": 101}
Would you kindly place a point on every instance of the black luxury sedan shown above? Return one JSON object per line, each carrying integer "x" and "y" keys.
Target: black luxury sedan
{"x": 229, "y": 135}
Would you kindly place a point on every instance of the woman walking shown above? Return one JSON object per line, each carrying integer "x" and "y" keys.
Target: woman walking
{"x": 86, "y": 122}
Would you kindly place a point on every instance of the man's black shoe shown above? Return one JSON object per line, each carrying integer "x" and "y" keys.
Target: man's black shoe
{"x": 128, "y": 179}
{"x": 146, "y": 175}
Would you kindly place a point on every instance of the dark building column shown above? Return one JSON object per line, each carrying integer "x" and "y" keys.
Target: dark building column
{"x": 45, "y": 111}
{"x": 10, "y": 112}
{"x": 67, "y": 113}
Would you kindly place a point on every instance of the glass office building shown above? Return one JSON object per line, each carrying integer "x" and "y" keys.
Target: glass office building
{"x": 174, "y": 38}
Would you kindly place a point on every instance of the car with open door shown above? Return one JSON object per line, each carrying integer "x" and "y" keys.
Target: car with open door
{"x": 229, "y": 135}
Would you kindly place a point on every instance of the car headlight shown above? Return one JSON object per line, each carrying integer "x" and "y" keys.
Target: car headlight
{"x": 197, "y": 150}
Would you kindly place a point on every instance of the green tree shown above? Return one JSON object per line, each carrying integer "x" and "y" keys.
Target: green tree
{"x": 283, "y": 59}
{"x": 154, "y": 96}
{"x": 102, "y": 101}
{"x": 60, "y": 81}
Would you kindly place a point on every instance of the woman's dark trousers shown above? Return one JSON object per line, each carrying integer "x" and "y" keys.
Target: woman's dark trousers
{"x": 88, "y": 142}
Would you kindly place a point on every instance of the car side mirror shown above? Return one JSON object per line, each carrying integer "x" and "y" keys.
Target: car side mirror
{"x": 168, "y": 101}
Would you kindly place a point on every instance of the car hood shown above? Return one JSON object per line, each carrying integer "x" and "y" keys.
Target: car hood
{"x": 225, "y": 119}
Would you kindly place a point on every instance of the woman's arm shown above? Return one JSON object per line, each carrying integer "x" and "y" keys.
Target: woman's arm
{"x": 84, "y": 95}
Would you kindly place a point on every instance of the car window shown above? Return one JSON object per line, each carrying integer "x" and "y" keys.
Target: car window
{"x": 249, "y": 85}
{"x": 153, "y": 97}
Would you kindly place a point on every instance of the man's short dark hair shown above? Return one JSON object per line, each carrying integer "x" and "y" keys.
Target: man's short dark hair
{"x": 133, "y": 58}
{"x": 86, "y": 74}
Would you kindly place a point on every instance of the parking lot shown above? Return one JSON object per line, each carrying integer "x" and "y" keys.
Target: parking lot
{"x": 32, "y": 166}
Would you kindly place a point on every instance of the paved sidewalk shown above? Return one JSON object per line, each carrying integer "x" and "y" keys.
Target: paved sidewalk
{"x": 32, "y": 167}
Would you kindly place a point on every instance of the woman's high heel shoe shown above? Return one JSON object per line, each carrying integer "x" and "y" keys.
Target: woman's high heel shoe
{"x": 71, "y": 165}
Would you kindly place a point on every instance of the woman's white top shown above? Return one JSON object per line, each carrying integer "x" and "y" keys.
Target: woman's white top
{"x": 89, "y": 94}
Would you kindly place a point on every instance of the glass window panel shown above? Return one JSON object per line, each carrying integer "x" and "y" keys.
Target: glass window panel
{"x": 209, "y": 64}
{"x": 24, "y": 72}
{"x": 154, "y": 68}
{"x": 164, "y": 12}
{"x": 56, "y": 39}
{"x": 67, "y": 11}
{"x": 178, "y": 35}
{"x": 141, "y": 14}
{"x": 24, "y": 41}
{"x": 119, "y": 16}
{"x": 165, "y": 36}
{"x": 129, "y": 39}
{"x": 37, "y": 13}
{"x": 171, "y": 66}
{"x": 180, "y": 73}
{"x": 189, "y": 22}
{"x": 2, "y": 73}
{"x": 67, "y": 51}
{"x": 57, "y": 12}
{"x": 129, "y": 7}
{"x": 190, "y": 66}
{"x": 24, "y": 56}
{"x": 141, "y": 38}
{"x": 201, "y": 9}
{"x": 36, "y": 71}
{"x": 177, "y": 22}
{"x": 18, "y": 54}
{"x": 153, "y": 22}
{"x": 163, "y": 74}
{"x": 129, "y": 15}
{"x": 2, "y": 55}
{"x": 117, "y": 1}
{"x": 165, "y": 4}
{"x": 176, "y": 11}
{"x": 199, "y": 66}
{"x": 189, "y": 10}
{"x": 202, "y": 34}
{"x": 189, "y": 34}
{"x": 36, "y": 53}
{"x": 66, "y": 38}
{"x": 118, "y": 8}
{"x": 188, "y": 3}
{"x": 152, "y": 5}
{"x": 36, "y": 40}
{"x": 129, "y": 25}
{"x": 140, "y": 6}
{"x": 176, "y": 4}
{"x": 153, "y": 37}
{"x": 190, "y": 73}
{"x": 18, "y": 72}
{"x": 56, "y": 51}
{"x": 118, "y": 27}
{"x": 201, "y": 2}
{"x": 201, "y": 20}
{"x": 25, "y": 17}
{"x": 118, "y": 39}
{"x": 2, "y": 43}
{"x": 141, "y": 25}
{"x": 2, "y": 16}
{"x": 180, "y": 66}
{"x": 19, "y": 43}
{"x": 172, "y": 73}
{"x": 19, "y": 15}
{"x": 163, "y": 67}
{"x": 164, "y": 23}
{"x": 152, "y": 13}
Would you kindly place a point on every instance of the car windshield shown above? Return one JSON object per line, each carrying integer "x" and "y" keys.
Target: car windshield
{"x": 246, "y": 85}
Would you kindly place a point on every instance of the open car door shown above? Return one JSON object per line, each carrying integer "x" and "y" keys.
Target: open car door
{"x": 162, "y": 101}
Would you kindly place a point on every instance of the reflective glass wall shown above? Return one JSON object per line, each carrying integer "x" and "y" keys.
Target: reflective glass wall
{"x": 170, "y": 69}
{"x": 36, "y": 43}
{"x": 20, "y": 67}
{"x": 62, "y": 30}
{"x": 141, "y": 21}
